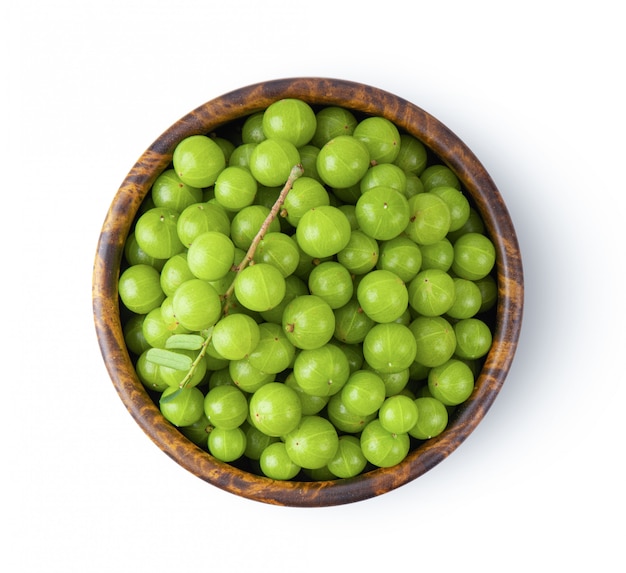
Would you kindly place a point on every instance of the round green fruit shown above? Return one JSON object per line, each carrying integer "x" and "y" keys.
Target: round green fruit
{"x": 313, "y": 443}
{"x": 343, "y": 161}
{"x": 275, "y": 409}
{"x": 198, "y": 160}
{"x": 383, "y": 448}
{"x": 290, "y": 119}
{"x": 140, "y": 288}
{"x": 181, "y": 406}
{"x": 308, "y": 322}
{"x": 323, "y": 231}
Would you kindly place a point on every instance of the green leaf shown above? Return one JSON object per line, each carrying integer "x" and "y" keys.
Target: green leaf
{"x": 184, "y": 342}
{"x": 169, "y": 358}
{"x": 168, "y": 397}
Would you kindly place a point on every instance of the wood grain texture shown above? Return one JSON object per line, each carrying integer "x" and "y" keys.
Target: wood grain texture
{"x": 233, "y": 106}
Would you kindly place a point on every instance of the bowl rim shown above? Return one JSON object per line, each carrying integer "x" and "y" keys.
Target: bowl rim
{"x": 318, "y": 91}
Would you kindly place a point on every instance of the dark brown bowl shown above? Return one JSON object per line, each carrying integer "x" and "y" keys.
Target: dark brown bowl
{"x": 363, "y": 99}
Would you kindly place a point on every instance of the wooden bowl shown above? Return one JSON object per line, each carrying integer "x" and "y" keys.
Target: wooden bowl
{"x": 363, "y": 99}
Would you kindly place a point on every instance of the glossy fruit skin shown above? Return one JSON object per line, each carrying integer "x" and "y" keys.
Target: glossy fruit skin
{"x": 432, "y": 292}
{"x": 227, "y": 445}
{"x": 382, "y": 213}
{"x": 173, "y": 377}
{"x": 168, "y": 190}
{"x": 135, "y": 255}
{"x": 273, "y": 353}
{"x": 309, "y": 322}
{"x": 390, "y": 347}
{"x": 252, "y": 129}
{"x": 149, "y": 373}
{"x": 488, "y": 291}
{"x": 384, "y": 175}
{"x": 290, "y": 119}
{"x": 474, "y": 224}
{"x": 351, "y": 323}
{"x": 438, "y": 255}
{"x": 275, "y": 409}
{"x": 133, "y": 335}
{"x": 398, "y": 414}
{"x": 260, "y": 287}
{"x": 467, "y": 299}
{"x": 210, "y": 256}
{"x": 246, "y": 377}
{"x": 199, "y": 218}
{"x": 175, "y": 271}
{"x": 279, "y": 250}
{"x": 196, "y": 305}
{"x": 246, "y": 224}
{"x": 321, "y": 371}
{"x": 395, "y": 382}
{"x": 310, "y": 404}
{"x": 381, "y": 137}
{"x": 140, "y": 288}
{"x": 382, "y": 448}
{"x": 457, "y": 203}
{"x": 344, "y": 419}
{"x": 235, "y": 188}
{"x": 240, "y": 156}
{"x": 349, "y": 460}
{"x": 256, "y": 441}
{"x": 435, "y": 340}
{"x": 226, "y": 407}
{"x": 294, "y": 287}
{"x": 343, "y": 161}
{"x": 276, "y": 463}
{"x": 332, "y": 282}
{"x": 364, "y": 393}
{"x": 412, "y": 156}
{"x": 313, "y": 443}
{"x": 473, "y": 338}
{"x": 198, "y": 432}
{"x": 361, "y": 253}
{"x": 272, "y": 160}
{"x": 235, "y": 336}
{"x": 429, "y": 219}
{"x": 474, "y": 256}
{"x": 439, "y": 176}
{"x": 432, "y": 418}
{"x": 155, "y": 330}
{"x": 401, "y": 256}
{"x": 182, "y": 406}
{"x": 354, "y": 354}
{"x": 323, "y": 231}
{"x": 383, "y": 296}
{"x": 156, "y": 233}
{"x": 306, "y": 193}
{"x": 198, "y": 160}
{"x": 332, "y": 121}
{"x": 451, "y": 382}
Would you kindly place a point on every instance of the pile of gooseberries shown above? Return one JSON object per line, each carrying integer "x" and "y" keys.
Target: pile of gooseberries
{"x": 307, "y": 293}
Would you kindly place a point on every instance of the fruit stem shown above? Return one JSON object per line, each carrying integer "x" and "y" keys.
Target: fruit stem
{"x": 197, "y": 359}
{"x": 296, "y": 172}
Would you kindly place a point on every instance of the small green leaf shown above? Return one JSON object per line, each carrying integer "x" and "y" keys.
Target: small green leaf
{"x": 168, "y": 397}
{"x": 169, "y": 358}
{"x": 184, "y": 342}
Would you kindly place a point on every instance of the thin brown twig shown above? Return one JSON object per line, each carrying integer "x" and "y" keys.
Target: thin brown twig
{"x": 296, "y": 172}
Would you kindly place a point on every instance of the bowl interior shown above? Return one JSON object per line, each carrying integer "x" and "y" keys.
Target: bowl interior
{"x": 361, "y": 99}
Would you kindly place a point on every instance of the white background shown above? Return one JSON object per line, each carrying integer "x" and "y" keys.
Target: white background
{"x": 534, "y": 88}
